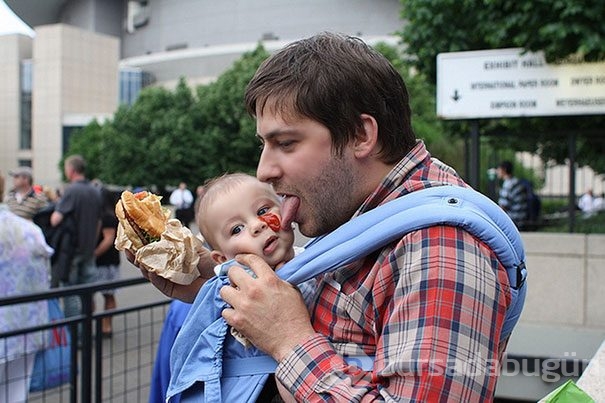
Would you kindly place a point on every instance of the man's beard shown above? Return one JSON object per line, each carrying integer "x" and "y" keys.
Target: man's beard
{"x": 328, "y": 199}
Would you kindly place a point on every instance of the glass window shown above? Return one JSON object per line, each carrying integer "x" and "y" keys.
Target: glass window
{"x": 25, "y": 139}
{"x": 132, "y": 81}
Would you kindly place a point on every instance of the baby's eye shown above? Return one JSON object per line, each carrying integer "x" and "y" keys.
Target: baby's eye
{"x": 262, "y": 211}
{"x": 237, "y": 229}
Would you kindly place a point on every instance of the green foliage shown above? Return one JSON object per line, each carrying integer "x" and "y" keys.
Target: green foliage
{"x": 426, "y": 125}
{"x": 566, "y": 30}
{"x": 594, "y": 224}
{"x": 231, "y": 136}
{"x": 171, "y": 135}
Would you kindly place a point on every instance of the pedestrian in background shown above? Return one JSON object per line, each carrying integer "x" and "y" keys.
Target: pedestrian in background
{"x": 79, "y": 206}
{"x": 24, "y": 268}
{"x": 182, "y": 199}
{"x": 513, "y": 194}
{"x": 22, "y": 199}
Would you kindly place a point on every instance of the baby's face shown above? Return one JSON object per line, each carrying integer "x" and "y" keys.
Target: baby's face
{"x": 247, "y": 220}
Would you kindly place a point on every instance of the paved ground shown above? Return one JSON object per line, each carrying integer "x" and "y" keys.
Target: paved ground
{"x": 129, "y": 355}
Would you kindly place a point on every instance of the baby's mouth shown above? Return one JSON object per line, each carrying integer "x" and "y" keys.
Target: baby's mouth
{"x": 270, "y": 245}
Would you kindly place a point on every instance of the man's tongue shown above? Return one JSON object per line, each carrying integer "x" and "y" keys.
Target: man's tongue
{"x": 288, "y": 211}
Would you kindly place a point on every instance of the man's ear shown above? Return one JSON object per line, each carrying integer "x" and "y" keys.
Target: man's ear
{"x": 218, "y": 257}
{"x": 366, "y": 137}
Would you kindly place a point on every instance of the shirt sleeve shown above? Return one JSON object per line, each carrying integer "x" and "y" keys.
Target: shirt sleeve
{"x": 67, "y": 203}
{"x": 175, "y": 198}
{"x": 433, "y": 316}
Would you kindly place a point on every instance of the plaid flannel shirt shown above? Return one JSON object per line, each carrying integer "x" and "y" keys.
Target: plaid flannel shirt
{"x": 429, "y": 308}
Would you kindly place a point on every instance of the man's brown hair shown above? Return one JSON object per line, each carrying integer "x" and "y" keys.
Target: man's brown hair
{"x": 333, "y": 79}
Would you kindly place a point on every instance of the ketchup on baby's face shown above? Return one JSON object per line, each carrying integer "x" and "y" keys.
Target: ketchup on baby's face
{"x": 272, "y": 220}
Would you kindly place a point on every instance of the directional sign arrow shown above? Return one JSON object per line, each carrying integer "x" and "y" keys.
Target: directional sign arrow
{"x": 456, "y": 96}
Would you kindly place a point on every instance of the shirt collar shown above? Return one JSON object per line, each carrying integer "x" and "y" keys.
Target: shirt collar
{"x": 391, "y": 185}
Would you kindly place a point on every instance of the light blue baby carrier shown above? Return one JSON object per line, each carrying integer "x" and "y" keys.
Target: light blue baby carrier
{"x": 209, "y": 365}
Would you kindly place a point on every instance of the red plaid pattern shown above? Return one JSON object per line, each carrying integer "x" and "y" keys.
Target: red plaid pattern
{"x": 429, "y": 308}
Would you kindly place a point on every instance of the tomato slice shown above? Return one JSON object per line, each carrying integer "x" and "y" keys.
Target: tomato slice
{"x": 272, "y": 220}
{"x": 141, "y": 195}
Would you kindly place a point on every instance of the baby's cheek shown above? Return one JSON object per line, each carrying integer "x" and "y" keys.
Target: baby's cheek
{"x": 272, "y": 220}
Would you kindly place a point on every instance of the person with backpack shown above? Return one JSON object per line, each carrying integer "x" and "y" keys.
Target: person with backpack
{"x": 429, "y": 308}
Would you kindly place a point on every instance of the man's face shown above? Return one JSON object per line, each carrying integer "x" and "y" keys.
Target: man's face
{"x": 246, "y": 220}
{"x": 21, "y": 182}
{"x": 297, "y": 159}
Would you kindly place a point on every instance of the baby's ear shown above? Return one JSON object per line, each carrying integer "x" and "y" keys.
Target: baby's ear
{"x": 218, "y": 257}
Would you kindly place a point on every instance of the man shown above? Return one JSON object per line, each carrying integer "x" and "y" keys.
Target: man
{"x": 23, "y": 200}
{"x": 182, "y": 199}
{"x": 513, "y": 194}
{"x": 334, "y": 119}
{"x": 79, "y": 208}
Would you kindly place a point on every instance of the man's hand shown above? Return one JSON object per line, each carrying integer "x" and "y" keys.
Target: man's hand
{"x": 185, "y": 293}
{"x": 270, "y": 312}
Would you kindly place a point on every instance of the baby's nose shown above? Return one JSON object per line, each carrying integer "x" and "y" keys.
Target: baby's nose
{"x": 258, "y": 226}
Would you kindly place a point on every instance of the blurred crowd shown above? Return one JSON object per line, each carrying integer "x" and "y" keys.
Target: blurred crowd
{"x": 56, "y": 237}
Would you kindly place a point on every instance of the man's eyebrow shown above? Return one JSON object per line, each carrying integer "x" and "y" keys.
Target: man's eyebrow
{"x": 273, "y": 134}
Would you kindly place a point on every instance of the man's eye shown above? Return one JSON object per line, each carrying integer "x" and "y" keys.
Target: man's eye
{"x": 262, "y": 211}
{"x": 237, "y": 229}
{"x": 285, "y": 144}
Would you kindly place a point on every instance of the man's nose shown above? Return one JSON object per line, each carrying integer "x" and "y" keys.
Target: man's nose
{"x": 267, "y": 169}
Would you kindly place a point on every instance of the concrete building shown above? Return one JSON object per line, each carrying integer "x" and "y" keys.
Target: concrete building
{"x": 85, "y": 57}
{"x": 61, "y": 79}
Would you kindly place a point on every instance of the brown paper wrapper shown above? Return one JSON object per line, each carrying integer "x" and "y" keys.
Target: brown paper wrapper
{"x": 175, "y": 256}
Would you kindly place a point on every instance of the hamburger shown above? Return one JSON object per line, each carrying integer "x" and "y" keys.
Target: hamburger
{"x": 161, "y": 244}
{"x": 142, "y": 217}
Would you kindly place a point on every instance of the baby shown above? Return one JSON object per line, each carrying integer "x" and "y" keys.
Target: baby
{"x": 240, "y": 214}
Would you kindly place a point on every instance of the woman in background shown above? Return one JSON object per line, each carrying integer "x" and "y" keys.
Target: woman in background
{"x": 24, "y": 268}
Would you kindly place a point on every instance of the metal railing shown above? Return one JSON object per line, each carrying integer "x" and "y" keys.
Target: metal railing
{"x": 102, "y": 369}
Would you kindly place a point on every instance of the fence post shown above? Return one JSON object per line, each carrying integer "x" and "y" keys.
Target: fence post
{"x": 87, "y": 306}
{"x": 571, "y": 207}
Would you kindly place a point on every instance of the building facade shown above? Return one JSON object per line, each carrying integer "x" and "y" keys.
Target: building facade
{"x": 87, "y": 57}
{"x": 61, "y": 79}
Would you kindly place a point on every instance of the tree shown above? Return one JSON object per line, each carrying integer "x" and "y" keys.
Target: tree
{"x": 230, "y": 130}
{"x": 566, "y": 30}
{"x": 427, "y": 126}
{"x": 170, "y": 136}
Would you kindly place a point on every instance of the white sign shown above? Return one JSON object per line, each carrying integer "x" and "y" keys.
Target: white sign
{"x": 510, "y": 83}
